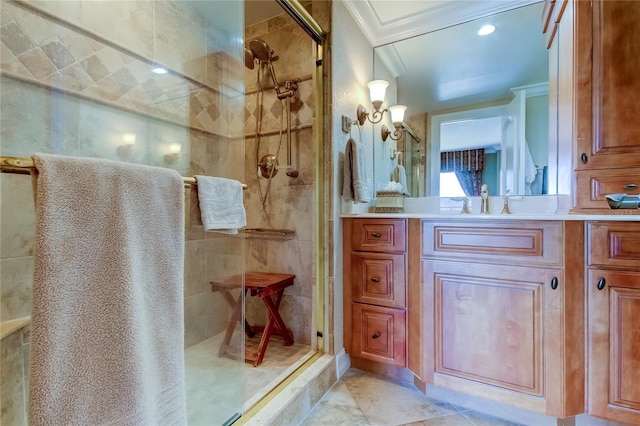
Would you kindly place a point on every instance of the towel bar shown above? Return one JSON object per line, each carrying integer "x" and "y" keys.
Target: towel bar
{"x": 24, "y": 166}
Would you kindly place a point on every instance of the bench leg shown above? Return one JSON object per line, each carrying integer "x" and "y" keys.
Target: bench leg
{"x": 274, "y": 320}
{"x": 235, "y": 317}
{"x": 274, "y": 315}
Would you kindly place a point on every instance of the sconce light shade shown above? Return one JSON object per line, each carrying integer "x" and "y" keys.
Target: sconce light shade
{"x": 175, "y": 148}
{"x": 377, "y": 90}
{"x": 174, "y": 153}
{"x": 125, "y": 151}
{"x": 397, "y": 113}
{"x": 128, "y": 138}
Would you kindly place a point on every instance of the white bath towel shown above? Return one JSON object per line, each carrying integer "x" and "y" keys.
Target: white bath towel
{"x": 221, "y": 204}
{"x": 355, "y": 184}
{"x": 530, "y": 170}
{"x": 107, "y": 339}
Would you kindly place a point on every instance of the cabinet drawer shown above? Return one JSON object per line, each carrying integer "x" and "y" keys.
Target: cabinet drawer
{"x": 378, "y": 278}
{"x": 379, "y": 334}
{"x": 614, "y": 244}
{"x": 593, "y": 185}
{"x": 382, "y": 235}
{"x": 501, "y": 241}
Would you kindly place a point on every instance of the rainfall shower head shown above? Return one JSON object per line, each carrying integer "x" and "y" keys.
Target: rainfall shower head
{"x": 261, "y": 50}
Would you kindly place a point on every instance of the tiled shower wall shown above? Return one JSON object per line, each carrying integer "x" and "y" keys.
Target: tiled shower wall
{"x": 290, "y": 204}
{"x": 75, "y": 76}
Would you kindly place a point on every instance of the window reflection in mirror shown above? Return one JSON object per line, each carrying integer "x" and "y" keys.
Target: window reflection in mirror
{"x": 456, "y": 74}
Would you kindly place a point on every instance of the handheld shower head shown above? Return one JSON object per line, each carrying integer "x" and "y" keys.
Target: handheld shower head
{"x": 249, "y": 60}
{"x": 261, "y": 50}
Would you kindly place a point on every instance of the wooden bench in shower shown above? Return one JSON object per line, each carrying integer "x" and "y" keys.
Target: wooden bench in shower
{"x": 270, "y": 288}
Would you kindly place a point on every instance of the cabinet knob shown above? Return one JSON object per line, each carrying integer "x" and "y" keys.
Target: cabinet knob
{"x": 584, "y": 158}
{"x": 375, "y": 335}
{"x": 375, "y": 235}
{"x": 375, "y": 279}
{"x": 601, "y": 283}
{"x": 631, "y": 186}
{"x": 554, "y": 283}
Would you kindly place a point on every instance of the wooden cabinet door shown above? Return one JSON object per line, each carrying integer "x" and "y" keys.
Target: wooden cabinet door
{"x": 496, "y": 331}
{"x": 614, "y": 345}
{"x": 615, "y": 142}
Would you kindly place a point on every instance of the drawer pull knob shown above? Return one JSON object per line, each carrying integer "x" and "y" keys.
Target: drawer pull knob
{"x": 375, "y": 335}
{"x": 601, "y": 283}
{"x": 375, "y": 235}
{"x": 631, "y": 186}
{"x": 554, "y": 283}
{"x": 584, "y": 158}
{"x": 375, "y": 279}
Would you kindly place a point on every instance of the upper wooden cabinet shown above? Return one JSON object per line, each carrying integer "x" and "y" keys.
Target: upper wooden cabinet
{"x": 607, "y": 54}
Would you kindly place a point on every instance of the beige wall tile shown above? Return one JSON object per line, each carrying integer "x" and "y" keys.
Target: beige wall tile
{"x": 194, "y": 268}
{"x": 68, "y": 10}
{"x": 18, "y": 216}
{"x": 130, "y": 24}
{"x": 16, "y": 275}
{"x": 180, "y": 43}
{"x": 12, "y": 398}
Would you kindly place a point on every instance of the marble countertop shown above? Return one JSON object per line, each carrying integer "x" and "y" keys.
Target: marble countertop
{"x": 486, "y": 217}
{"x": 549, "y": 207}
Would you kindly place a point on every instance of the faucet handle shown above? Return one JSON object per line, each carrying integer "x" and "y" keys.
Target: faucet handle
{"x": 505, "y": 208}
{"x": 465, "y": 204}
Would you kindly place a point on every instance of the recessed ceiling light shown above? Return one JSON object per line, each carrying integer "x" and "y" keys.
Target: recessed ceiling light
{"x": 486, "y": 30}
{"x": 159, "y": 70}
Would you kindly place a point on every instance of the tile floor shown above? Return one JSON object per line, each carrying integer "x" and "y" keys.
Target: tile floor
{"x": 360, "y": 398}
{"x": 219, "y": 387}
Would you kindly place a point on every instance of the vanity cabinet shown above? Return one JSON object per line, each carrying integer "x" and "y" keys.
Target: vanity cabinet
{"x": 613, "y": 316}
{"x": 501, "y": 311}
{"x": 607, "y": 157}
{"x": 375, "y": 270}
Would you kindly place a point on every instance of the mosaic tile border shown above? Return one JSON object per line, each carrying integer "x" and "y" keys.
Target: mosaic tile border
{"x": 41, "y": 49}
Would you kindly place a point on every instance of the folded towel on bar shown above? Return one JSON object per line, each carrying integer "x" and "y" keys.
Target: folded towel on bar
{"x": 221, "y": 204}
{"x": 400, "y": 176}
{"x": 355, "y": 185}
{"x": 107, "y": 338}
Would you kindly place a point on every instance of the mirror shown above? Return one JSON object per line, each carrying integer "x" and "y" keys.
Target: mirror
{"x": 467, "y": 92}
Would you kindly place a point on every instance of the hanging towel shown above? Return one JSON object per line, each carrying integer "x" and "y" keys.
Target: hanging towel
{"x": 221, "y": 204}
{"x": 530, "y": 170}
{"x": 355, "y": 186}
{"x": 107, "y": 339}
{"x": 400, "y": 176}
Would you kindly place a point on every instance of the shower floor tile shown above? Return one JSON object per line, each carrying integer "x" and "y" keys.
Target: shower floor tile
{"x": 218, "y": 387}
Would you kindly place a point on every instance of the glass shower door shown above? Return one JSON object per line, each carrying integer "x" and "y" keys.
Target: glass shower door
{"x": 150, "y": 82}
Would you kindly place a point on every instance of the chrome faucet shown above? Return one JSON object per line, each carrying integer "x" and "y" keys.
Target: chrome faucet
{"x": 484, "y": 202}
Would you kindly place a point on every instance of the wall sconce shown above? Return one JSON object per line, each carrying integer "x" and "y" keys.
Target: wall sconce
{"x": 397, "y": 116}
{"x": 126, "y": 149}
{"x": 377, "y": 90}
{"x": 174, "y": 153}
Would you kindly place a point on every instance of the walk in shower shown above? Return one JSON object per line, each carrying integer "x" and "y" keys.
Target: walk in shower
{"x": 165, "y": 83}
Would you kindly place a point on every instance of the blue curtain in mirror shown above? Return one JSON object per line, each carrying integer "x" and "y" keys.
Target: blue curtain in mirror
{"x": 468, "y": 166}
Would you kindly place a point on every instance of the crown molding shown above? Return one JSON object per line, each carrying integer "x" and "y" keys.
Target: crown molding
{"x": 425, "y": 20}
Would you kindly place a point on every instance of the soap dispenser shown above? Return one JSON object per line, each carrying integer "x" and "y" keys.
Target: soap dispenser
{"x": 484, "y": 202}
